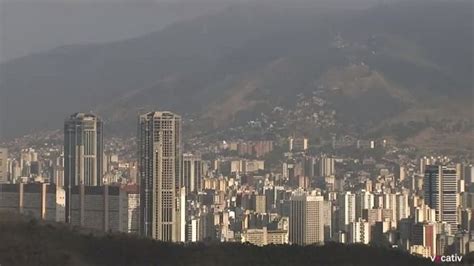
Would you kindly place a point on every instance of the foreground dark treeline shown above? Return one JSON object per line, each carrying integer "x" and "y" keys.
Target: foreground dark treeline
{"x": 27, "y": 242}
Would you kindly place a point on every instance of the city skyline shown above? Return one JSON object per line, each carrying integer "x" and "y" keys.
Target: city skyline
{"x": 172, "y": 194}
{"x": 326, "y": 132}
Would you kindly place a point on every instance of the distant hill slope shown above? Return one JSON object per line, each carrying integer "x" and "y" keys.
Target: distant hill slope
{"x": 24, "y": 242}
{"x": 412, "y": 54}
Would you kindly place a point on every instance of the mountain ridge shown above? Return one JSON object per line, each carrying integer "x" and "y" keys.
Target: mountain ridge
{"x": 203, "y": 65}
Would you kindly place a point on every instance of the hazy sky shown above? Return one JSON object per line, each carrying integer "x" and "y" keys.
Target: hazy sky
{"x": 29, "y": 26}
{"x": 33, "y": 26}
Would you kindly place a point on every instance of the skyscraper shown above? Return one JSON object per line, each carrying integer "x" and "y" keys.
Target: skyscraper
{"x": 83, "y": 154}
{"x": 440, "y": 187}
{"x": 306, "y": 219}
{"x": 160, "y": 171}
{"x": 83, "y": 150}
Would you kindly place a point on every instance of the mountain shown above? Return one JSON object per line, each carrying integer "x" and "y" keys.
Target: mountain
{"x": 29, "y": 242}
{"x": 377, "y": 67}
{"x": 63, "y": 22}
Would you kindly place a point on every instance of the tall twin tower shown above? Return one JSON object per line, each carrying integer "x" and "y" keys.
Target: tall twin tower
{"x": 159, "y": 161}
{"x": 160, "y": 169}
{"x": 83, "y": 150}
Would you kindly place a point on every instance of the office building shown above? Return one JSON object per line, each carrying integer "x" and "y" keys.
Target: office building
{"x": 440, "y": 187}
{"x": 306, "y": 219}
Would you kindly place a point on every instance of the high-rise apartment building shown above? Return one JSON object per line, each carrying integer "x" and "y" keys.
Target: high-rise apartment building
{"x": 359, "y": 232}
{"x": 347, "y": 210}
{"x": 306, "y": 219}
{"x": 440, "y": 187}
{"x": 364, "y": 201}
{"x": 402, "y": 207}
{"x": 326, "y": 166}
{"x": 160, "y": 172}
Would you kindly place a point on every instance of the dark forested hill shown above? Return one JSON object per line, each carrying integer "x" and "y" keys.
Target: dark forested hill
{"x": 25, "y": 242}
{"x": 389, "y": 62}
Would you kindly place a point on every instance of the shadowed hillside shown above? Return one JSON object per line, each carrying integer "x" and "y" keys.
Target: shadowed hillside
{"x": 26, "y": 242}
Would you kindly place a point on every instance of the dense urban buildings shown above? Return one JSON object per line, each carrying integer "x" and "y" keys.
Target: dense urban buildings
{"x": 258, "y": 191}
{"x": 312, "y": 125}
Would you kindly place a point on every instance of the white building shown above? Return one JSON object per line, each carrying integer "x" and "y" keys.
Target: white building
{"x": 133, "y": 225}
{"x": 359, "y": 232}
{"x": 326, "y": 166}
{"x": 347, "y": 210}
